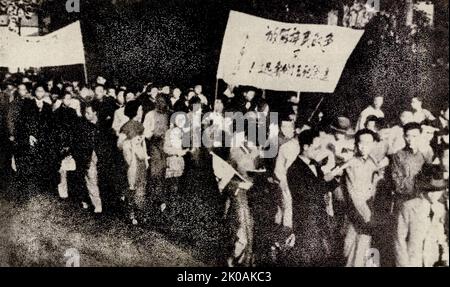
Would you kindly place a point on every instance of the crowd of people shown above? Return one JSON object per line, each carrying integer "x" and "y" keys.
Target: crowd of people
{"x": 332, "y": 195}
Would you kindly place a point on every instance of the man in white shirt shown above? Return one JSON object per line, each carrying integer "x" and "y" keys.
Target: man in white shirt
{"x": 372, "y": 110}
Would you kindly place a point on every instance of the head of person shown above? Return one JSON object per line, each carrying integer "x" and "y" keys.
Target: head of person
{"x": 91, "y": 112}
{"x": 154, "y": 92}
{"x": 176, "y": 93}
{"x": 112, "y": 92}
{"x": 67, "y": 99}
{"x": 165, "y": 90}
{"x": 218, "y": 105}
{"x": 50, "y": 84}
{"x": 428, "y": 131}
{"x": 161, "y": 105}
{"x": 365, "y": 141}
{"x": 250, "y": 95}
{"x": 372, "y": 123}
{"x": 287, "y": 129}
{"x": 412, "y": 133}
{"x": 309, "y": 143}
{"x": 198, "y": 89}
{"x": 378, "y": 102}
{"x": 416, "y": 103}
{"x": 130, "y": 97}
{"x": 22, "y": 90}
{"x": 133, "y": 110}
{"x": 341, "y": 128}
{"x": 99, "y": 92}
{"x": 179, "y": 120}
{"x": 445, "y": 115}
{"x": 68, "y": 89}
{"x": 39, "y": 92}
{"x": 120, "y": 98}
{"x": 406, "y": 117}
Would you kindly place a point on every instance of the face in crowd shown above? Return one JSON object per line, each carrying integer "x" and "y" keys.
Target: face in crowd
{"x": 378, "y": 102}
{"x": 416, "y": 104}
{"x": 249, "y": 95}
{"x": 365, "y": 144}
{"x": 67, "y": 99}
{"x": 154, "y": 92}
{"x": 22, "y": 90}
{"x": 198, "y": 89}
{"x": 176, "y": 93}
{"x": 218, "y": 106}
{"x": 121, "y": 98}
{"x": 288, "y": 129}
{"x": 99, "y": 92}
{"x": 39, "y": 93}
{"x": 90, "y": 115}
{"x": 412, "y": 138}
{"x": 112, "y": 92}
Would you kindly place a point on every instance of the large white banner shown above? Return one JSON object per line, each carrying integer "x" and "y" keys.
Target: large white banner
{"x": 284, "y": 57}
{"x": 60, "y": 48}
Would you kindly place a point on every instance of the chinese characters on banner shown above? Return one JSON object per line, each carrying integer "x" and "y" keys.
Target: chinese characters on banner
{"x": 282, "y": 56}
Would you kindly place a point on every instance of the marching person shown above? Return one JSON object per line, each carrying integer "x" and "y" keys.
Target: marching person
{"x": 131, "y": 142}
{"x": 90, "y": 158}
{"x": 156, "y": 124}
{"x": 420, "y": 239}
{"x": 407, "y": 163}
{"x": 34, "y": 142}
{"x": 311, "y": 223}
{"x": 360, "y": 181}
{"x": 243, "y": 157}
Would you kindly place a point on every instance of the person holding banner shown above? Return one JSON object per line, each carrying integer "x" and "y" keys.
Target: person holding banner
{"x": 243, "y": 158}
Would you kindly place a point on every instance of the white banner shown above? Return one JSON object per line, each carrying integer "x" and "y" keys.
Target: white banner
{"x": 284, "y": 57}
{"x": 60, "y": 48}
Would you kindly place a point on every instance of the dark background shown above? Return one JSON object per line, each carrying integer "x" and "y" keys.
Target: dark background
{"x": 178, "y": 42}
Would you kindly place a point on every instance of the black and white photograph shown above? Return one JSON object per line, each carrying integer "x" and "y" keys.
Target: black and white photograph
{"x": 224, "y": 134}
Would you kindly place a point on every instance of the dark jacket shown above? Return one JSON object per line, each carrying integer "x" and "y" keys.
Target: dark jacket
{"x": 310, "y": 219}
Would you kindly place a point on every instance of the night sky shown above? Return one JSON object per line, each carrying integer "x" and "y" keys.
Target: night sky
{"x": 178, "y": 42}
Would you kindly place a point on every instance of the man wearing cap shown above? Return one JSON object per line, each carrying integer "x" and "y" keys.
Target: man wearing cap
{"x": 420, "y": 239}
{"x": 342, "y": 146}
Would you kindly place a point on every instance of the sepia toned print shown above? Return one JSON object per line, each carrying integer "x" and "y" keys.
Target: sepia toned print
{"x": 231, "y": 133}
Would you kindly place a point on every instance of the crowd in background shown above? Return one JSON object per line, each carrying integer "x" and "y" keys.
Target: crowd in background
{"x": 332, "y": 194}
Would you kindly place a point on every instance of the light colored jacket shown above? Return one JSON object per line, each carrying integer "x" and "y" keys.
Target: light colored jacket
{"x": 418, "y": 237}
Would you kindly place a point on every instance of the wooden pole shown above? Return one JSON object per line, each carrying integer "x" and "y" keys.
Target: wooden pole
{"x": 315, "y": 110}
{"x": 85, "y": 74}
{"x": 217, "y": 89}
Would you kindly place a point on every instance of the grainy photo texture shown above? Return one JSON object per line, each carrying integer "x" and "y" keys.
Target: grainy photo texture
{"x": 224, "y": 133}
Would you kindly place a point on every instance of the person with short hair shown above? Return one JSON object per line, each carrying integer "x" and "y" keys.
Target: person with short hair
{"x": 132, "y": 143}
{"x": 407, "y": 163}
{"x": 359, "y": 183}
{"x": 311, "y": 230}
{"x": 420, "y": 239}
{"x": 373, "y": 110}
{"x": 419, "y": 113}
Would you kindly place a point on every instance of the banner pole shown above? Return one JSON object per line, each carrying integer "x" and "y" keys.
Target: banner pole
{"x": 315, "y": 110}
{"x": 217, "y": 89}
{"x": 85, "y": 74}
{"x": 298, "y": 97}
